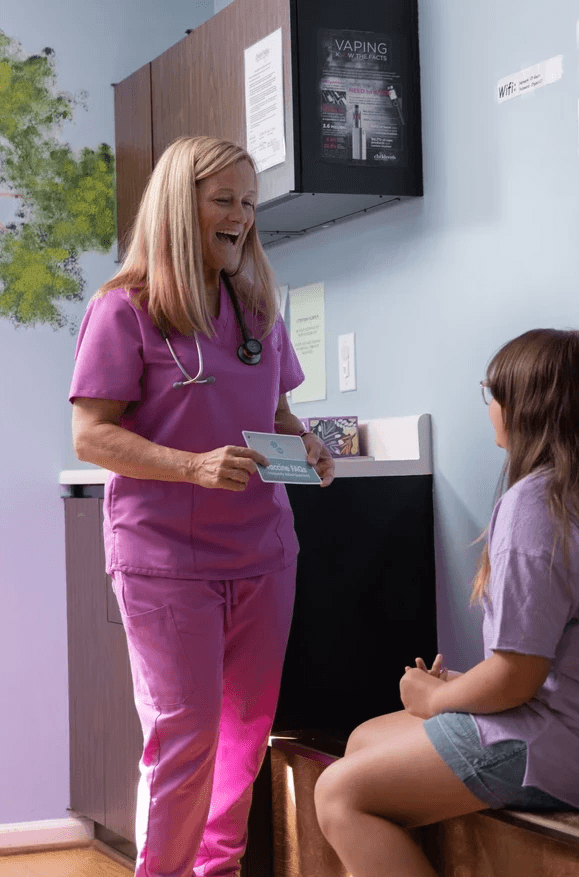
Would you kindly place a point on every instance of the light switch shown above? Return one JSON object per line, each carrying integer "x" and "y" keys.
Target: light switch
{"x": 347, "y": 361}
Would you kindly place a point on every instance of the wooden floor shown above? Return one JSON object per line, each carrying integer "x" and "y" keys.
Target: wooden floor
{"x": 84, "y": 862}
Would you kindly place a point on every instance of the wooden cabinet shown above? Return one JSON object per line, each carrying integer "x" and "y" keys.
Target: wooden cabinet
{"x": 122, "y": 735}
{"x": 198, "y": 87}
{"x": 86, "y": 616}
{"x": 134, "y": 147}
{"x": 105, "y": 733}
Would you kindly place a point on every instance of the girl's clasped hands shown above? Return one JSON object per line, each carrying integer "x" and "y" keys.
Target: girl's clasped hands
{"x": 418, "y": 684}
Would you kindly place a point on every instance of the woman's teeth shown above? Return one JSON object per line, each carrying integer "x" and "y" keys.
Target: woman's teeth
{"x": 228, "y": 236}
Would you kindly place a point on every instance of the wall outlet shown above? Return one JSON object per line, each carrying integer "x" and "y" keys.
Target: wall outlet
{"x": 347, "y": 361}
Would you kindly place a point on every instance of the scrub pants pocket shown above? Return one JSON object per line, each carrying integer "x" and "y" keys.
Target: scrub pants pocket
{"x": 160, "y": 668}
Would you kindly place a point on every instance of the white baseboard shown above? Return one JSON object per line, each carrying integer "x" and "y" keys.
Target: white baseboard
{"x": 48, "y": 832}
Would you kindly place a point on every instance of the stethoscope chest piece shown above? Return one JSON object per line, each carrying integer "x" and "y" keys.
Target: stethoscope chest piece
{"x": 250, "y": 351}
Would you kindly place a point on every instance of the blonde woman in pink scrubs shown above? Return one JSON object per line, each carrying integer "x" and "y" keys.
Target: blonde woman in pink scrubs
{"x": 178, "y": 354}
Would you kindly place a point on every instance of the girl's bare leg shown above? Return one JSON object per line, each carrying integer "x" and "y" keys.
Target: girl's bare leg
{"x": 390, "y": 779}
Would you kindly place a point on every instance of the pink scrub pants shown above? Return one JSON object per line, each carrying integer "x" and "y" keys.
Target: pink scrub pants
{"x": 206, "y": 659}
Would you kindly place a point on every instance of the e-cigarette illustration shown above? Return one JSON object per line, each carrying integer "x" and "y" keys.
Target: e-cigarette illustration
{"x": 395, "y": 103}
{"x": 358, "y": 135}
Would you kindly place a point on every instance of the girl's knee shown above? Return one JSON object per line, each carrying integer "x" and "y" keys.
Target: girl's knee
{"x": 377, "y": 731}
{"x": 330, "y": 797}
{"x": 359, "y": 738}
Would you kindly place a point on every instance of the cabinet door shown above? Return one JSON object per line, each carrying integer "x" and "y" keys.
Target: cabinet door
{"x": 198, "y": 85}
{"x": 86, "y": 600}
{"x": 134, "y": 152}
{"x": 365, "y": 600}
{"x": 105, "y": 733}
{"x": 123, "y": 737}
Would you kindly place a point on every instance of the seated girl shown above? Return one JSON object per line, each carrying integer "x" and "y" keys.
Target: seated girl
{"x": 505, "y": 733}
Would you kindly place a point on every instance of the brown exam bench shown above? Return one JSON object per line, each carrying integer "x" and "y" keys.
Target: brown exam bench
{"x": 492, "y": 843}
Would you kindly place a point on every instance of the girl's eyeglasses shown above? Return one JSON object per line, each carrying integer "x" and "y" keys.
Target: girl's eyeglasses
{"x": 486, "y": 392}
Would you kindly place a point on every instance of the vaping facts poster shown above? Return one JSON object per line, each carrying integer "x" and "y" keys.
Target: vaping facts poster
{"x": 361, "y": 98}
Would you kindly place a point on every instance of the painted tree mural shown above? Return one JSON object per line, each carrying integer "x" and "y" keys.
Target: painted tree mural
{"x": 65, "y": 203}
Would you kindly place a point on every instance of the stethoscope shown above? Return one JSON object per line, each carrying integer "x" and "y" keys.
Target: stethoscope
{"x": 248, "y": 352}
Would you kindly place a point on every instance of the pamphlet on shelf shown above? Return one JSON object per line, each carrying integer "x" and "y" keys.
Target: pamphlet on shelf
{"x": 287, "y": 457}
{"x": 339, "y": 434}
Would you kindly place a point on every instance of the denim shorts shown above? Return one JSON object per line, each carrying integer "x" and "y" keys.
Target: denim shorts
{"x": 493, "y": 773}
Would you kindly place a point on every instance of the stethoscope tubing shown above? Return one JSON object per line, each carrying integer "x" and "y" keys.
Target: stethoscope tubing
{"x": 249, "y": 351}
{"x": 197, "y": 379}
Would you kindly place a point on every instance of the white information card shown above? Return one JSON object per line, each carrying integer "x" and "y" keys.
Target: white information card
{"x": 287, "y": 458}
{"x": 264, "y": 106}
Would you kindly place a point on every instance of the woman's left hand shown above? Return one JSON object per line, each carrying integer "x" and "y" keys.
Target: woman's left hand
{"x": 416, "y": 692}
{"x": 320, "y": 458}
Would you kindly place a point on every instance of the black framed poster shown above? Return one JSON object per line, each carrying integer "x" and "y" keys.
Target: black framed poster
{"x": 361, "y": 98}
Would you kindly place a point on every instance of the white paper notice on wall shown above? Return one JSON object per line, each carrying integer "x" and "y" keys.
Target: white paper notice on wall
{"x": 530, "y": 79}
{"x": 308, "y": 335}
{"x": 264, "y": 104}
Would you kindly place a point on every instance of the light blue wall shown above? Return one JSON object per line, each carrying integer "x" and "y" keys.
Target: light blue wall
{"x": 96, "y": 44}
{"x": 431, "y": 289}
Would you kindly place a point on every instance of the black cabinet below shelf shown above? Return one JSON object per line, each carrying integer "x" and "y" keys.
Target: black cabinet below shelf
{"x": 365, "y": 600}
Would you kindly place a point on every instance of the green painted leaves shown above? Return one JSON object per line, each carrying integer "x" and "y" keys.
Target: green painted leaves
{"x": 64, "y": 203}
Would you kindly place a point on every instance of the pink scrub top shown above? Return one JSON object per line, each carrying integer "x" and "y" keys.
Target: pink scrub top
{"x": 176, "y": 529}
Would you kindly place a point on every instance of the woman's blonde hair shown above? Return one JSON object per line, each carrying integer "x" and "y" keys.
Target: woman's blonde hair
{"x": 535, "y": 380}
{"x": 164, "y": 266}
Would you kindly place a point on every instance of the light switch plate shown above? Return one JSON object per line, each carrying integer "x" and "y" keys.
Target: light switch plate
{"x": 347, "y": 361}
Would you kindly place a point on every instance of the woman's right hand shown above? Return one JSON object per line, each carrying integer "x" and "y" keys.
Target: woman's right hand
{"x": 228, "y": 468}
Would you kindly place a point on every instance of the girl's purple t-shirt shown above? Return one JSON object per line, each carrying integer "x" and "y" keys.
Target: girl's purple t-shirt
{"x": 532, "y": 608}
{"x": 171, "y": 528}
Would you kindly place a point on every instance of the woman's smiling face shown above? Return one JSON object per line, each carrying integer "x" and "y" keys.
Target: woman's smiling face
{"x": 226, "y": 209}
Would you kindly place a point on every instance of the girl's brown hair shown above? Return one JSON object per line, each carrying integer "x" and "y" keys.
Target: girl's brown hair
{"x": 164, "y": 266}
{"x": 535, "y": 380}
